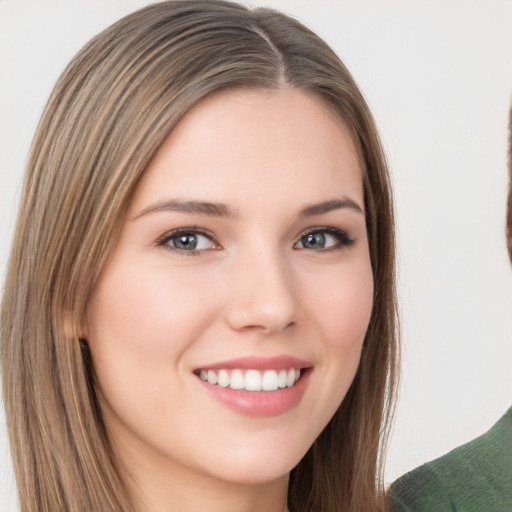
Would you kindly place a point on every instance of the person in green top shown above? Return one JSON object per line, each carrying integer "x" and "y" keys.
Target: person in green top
{"x": 475, "y": 477}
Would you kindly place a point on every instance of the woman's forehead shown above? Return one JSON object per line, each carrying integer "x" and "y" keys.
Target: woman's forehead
{"x": 249, "y": 145}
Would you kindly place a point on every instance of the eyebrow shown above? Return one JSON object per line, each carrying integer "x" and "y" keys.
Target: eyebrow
{"x": 328, "y": 206}
{"x": 222, "y": 210}
{"x": 197, "y": 207}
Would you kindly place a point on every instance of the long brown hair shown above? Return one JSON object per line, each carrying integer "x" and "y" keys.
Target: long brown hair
{"x": 110, "y": 111}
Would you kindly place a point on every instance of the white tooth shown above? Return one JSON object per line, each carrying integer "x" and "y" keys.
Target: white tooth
{"x": 212, "y": 377}
{"x": 223, "y": 379}
{"x": 253, "y": 380}
{"x": 290, "y": 378}
{"x": 297, "y": 375}
{"x": 269, "y": 381}
{"x": 237, "y": 380}
{"x": 281, "y": 379}
{"x": 203, "y": 375}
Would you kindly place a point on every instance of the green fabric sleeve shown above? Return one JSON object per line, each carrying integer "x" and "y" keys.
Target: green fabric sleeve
{"x": 420, "y": 491}
{"x": 475, "y": 477}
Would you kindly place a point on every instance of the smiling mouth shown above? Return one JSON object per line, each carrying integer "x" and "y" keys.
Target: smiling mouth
{"x": 251, "y": 379}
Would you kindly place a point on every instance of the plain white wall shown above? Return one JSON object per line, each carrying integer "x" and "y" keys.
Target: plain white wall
{"x": 438, "y": 77}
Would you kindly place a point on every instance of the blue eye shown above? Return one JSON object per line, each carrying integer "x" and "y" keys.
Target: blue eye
{"x": 190, "y": 241}
{"x": 322, "y": 239}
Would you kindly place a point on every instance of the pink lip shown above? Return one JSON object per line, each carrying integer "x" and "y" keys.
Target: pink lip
{"x": 259, "y": 363}
{"x": 260, "y": 403}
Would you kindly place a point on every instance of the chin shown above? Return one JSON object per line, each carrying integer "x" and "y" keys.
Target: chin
{"x": 257, "y": 468}
{"x": 256, "y": 474}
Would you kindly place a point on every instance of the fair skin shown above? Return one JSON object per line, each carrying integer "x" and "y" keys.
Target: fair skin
{"x": 268, "y": 277}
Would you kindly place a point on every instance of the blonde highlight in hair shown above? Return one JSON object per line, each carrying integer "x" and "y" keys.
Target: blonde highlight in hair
{"x": 110, "y": 111}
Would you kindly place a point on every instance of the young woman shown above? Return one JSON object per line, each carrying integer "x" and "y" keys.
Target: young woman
{"x": 199, "y": 309}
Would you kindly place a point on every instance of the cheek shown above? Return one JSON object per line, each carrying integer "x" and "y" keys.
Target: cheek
{"x": 150, "y": 309}
{"x": 140, "y": 323}
{"x": 342, "y": 308}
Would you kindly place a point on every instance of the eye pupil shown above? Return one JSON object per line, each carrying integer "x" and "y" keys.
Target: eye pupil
{"x": 314, "y": 241}
{"x": 188, "y": 241}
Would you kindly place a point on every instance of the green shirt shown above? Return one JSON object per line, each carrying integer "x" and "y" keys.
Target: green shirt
{"x": 475, "y": 477}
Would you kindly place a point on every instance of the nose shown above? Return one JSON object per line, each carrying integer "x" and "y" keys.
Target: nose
{"x": 264, "y": 295}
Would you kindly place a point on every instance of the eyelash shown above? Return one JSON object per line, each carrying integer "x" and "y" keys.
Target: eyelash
{"x": 342, "y": 239}
{"x": 165, "y": 239}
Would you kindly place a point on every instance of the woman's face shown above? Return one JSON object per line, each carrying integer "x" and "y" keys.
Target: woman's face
{"x": 227, "y": 326}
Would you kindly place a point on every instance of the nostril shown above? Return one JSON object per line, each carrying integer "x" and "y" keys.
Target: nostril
{"x": 250, "y": 318}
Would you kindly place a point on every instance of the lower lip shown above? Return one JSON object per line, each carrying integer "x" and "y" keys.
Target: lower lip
{"x": 259, "y": 403}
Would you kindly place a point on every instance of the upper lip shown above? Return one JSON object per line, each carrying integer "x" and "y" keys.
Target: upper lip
{"x": 282, "y": 362}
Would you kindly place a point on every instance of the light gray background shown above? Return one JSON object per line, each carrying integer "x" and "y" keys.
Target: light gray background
{"x": 438, "y": 77}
